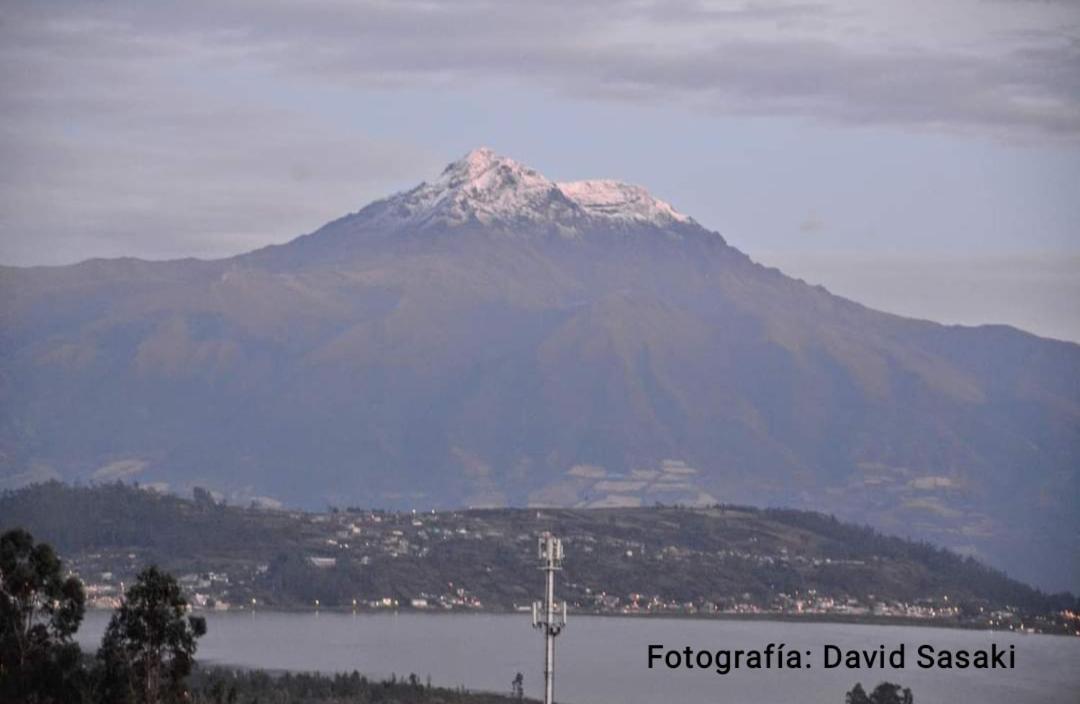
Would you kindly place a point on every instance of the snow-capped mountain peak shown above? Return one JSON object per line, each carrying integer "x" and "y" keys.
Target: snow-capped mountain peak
{"x": 493, "y": 190}
{"x": 621, "y": 201}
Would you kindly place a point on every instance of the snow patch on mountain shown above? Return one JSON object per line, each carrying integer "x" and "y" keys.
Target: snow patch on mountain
{"x": 493, "y": 190}
{"x": 620, "y": 201}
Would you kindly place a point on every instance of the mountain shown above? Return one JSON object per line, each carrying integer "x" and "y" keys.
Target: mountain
{"x": 497, "y": 338}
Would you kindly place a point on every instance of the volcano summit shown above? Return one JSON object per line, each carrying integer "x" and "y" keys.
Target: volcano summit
{"x": 486, "y": 189}
{"x": 495, "y": 337}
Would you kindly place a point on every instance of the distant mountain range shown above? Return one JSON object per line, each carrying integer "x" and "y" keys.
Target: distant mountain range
{"x": 497, "y": 338}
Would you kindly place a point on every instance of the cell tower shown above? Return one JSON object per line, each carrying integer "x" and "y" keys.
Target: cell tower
{"x": 546, "y": 614}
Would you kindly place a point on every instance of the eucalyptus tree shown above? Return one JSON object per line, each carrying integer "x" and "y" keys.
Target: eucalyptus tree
{"x": 149, "y": 645}
{"x": 40, "y": 611}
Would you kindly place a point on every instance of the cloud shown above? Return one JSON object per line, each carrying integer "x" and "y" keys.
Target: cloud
{"x": 1010, "y": 74}
{"x": 115, "y": 144}
{"x": 119, "y": 119}
{"x": 1015, "y": 72}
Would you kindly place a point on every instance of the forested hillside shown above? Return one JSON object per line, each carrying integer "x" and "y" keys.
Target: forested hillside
{"x": 730, "y": 559}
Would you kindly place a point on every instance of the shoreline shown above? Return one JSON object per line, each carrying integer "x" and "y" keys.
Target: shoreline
{"x": 856, "y": 620}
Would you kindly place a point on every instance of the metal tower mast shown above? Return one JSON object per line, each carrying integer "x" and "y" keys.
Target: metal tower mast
{"x": 548, "y": 615}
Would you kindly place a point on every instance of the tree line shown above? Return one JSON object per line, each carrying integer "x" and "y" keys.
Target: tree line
{"x": 146, "y": 654}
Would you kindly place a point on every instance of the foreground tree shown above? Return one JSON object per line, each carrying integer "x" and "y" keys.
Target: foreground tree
{"x": 884, "y": 693}
{"x": 40, "y": 610}
{"x": 149, "y": 646}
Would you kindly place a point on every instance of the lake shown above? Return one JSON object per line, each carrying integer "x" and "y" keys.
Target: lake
{"x": 602, "y": 660}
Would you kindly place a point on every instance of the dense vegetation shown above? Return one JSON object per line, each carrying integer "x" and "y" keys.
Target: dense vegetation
{"x": 147, "y": 655}
{"x": 40, "y": 611}
{"x": 884, "y": 693}
{"x": 992, "y": 585}
{"x": 226, "y": 686}
{"x": 717, "y": 555}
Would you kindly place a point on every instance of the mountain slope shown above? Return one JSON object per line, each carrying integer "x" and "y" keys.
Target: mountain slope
{"x": 494, "y": 337}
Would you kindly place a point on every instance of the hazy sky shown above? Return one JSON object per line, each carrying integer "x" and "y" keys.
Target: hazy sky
{"x": 919, "y": 156}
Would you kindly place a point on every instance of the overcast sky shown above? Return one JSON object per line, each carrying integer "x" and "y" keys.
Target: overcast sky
{"x": 919, "y": 156}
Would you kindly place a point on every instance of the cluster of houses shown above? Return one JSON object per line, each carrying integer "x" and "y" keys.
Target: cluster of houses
{"x": 375, "y": 540}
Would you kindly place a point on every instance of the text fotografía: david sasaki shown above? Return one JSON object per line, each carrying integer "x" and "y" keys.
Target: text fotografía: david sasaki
{"x": 777, "y": 656}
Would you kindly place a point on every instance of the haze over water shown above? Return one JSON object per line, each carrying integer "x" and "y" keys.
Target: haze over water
{"x": 604, "y": 660}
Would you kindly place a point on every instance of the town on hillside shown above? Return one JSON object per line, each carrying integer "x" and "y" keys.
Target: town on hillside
{"x": 720, "y": 561}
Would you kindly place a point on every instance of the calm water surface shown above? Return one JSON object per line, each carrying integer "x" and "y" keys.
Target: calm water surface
{"x": 604, "y": 660}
